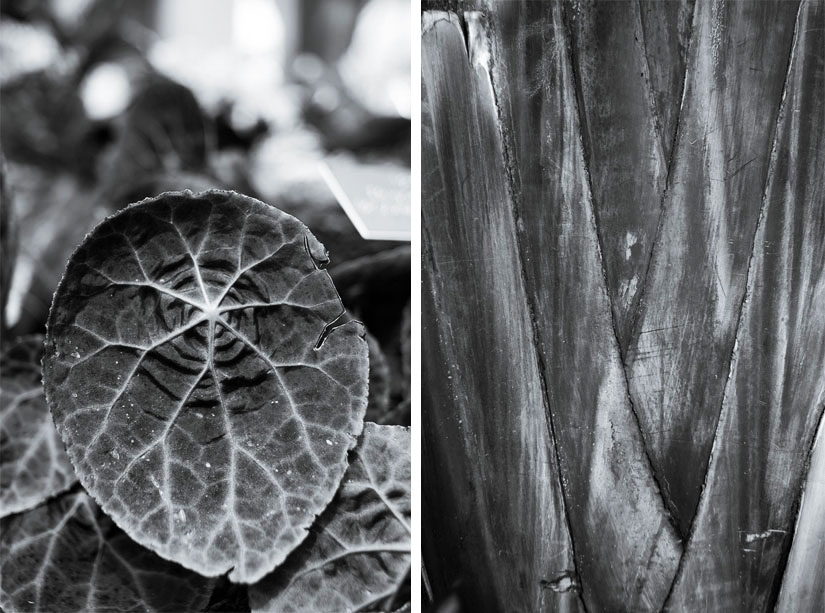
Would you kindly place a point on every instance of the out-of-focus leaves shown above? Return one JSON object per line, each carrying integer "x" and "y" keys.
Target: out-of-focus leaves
{"x": 54, "y": 213}
{"x": 357, "y": 557}
{"x": 380, "y": 382}
{"x": 230, "y": 167}
{"x": 399, "y": 415}
{"x": 67, "y": 555}
{"x": 43, "y": 122}
{"x": 25, "y": 48}
{"x": 284, "y": 168}
{"x": 164, "y": 131}
{"x": 205, "y": 399}
{"x": 332, "y": 225}
{"x": 231, "y": 136}
{"x": 8, "y": 242}
{"x": 375, "y": 279}
{"x": 382, "y": 31}
{"x": 33, "y": 464}
{"x": 360, "y": 132}
{"x": 149, "y": 186}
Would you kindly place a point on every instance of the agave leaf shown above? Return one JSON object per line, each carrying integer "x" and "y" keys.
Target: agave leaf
{"x": 774, "y": 390}
{"x": 205, "y": 399}
{"x": 67, "y": 555}
{"x": 715, "y": 187}
{"x": 807, "y": 556}
{"x": 358, "y": 555}
{"x": 33, "y": 466}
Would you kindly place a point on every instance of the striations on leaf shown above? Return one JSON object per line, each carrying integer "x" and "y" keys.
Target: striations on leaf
{"x": 182, "y": 372}
{"x": 357, "y": 557}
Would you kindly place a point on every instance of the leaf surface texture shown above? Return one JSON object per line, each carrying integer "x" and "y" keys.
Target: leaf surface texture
{"x": 33, "y": 463}
{"x": 67, "y": 555}
{"x": 358, "y": 554}
{"x": 203, "y": 397}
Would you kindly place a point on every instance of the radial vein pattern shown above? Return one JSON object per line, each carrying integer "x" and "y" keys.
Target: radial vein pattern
{"x": 187, "y": 376}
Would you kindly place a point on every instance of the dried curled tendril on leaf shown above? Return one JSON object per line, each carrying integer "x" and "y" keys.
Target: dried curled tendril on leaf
{"x": 33, "y": 463}
{"x": 67, "y": 555}
{"x": 357, "y": 557}
{"x": 205, "y": 401}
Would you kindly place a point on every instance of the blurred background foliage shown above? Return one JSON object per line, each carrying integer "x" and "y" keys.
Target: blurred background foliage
{"x": 106, "y": 102}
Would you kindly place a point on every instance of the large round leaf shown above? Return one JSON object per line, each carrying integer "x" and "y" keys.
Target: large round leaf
{"x": 67, "y": 555}
{"x": 358, "y": 556}
{"x": 205, "y": 399}
{"x": 33, "y": 463}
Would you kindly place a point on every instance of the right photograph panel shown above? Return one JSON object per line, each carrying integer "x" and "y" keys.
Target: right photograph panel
{"x": 623, "y": 332}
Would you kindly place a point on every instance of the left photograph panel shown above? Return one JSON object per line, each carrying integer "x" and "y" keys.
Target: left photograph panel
{"x": 205, "y": 305}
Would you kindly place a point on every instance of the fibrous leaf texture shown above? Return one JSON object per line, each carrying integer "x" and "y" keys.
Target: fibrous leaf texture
{"x": 33, "y": 463}
{"x": 358, "y": 554}
{"x": 205, "y": 399}
{"x": 67, "y": 555}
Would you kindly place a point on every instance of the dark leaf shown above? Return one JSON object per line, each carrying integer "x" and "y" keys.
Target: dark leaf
{"x": 204, "y": 397}
{"x": 380, "y": 382}
{"x": 357, "y": 557}
{"x": 165, "y": 131}
{"x": 33, "y": 464}
{"x": 406, "y": 346}
{"x": 54, "y": 213}
{"x": 228, "y": 597}
{"x": 67, "y": 555}
{"x": 376, "y": 288}
{"x": 329, "y": 222}
{"x": 399, "y": 415}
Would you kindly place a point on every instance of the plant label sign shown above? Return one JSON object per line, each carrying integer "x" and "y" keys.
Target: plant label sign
{"x": 375, "y": 196}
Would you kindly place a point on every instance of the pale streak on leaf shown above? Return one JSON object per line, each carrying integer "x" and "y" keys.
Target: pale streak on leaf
{"x": 358, "y": 555}
{"x": 774, "y": 393}
{"x": 807, "y": 557}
